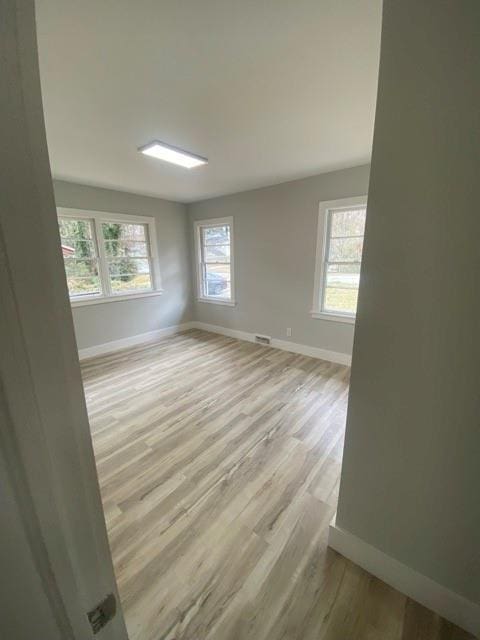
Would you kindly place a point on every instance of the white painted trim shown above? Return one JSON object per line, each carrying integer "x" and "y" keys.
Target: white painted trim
{"x": 197, "y": 226}
{"x": 321, "y": 255}
{"x": 333, "y": 317}
{"x": 90, "y": 214}
{"x": 152, "y": 241}
{"x": 131, "y": 341}
{"x": 56, "y": 538}
{"x": 75, "y": 302}
{"x": 224, "y": 331}
{"x": 430, "y": 594}
{"x": 313, "y": 352}
{"x": 285, "y": 345}
{"x": 151, "y": 336}
{"x": 225, "y": 303}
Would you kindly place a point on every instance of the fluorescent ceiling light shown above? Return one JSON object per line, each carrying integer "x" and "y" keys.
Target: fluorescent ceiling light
{"x": 171, "y": 154}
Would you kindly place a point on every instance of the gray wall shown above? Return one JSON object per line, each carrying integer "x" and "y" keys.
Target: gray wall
{"x": 105, "y": 322}
{"x": 411, "y": 468}
{"x": 275, "y": 242}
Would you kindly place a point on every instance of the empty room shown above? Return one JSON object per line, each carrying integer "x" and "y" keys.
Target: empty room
{"x": 239, "y": 297}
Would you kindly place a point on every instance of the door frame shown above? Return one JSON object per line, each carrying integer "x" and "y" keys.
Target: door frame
{"x": 47, "y": 453}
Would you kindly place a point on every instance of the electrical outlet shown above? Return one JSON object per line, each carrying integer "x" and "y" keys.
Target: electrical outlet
{"x": 289, "y": 332}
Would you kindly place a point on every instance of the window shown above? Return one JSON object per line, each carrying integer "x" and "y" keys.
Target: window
{"x": 214, "y": 258}
{"x": 108, "y": 257}
{"x": 127, "y": 254}
{"x": 80, "y": 257}
{"x": 341, "y": 226}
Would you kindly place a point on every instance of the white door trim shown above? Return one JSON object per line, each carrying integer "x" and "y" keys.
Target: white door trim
{"x": 47, "y": 457}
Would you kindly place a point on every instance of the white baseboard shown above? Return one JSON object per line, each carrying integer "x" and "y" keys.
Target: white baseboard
{"x": 224, "y": 331}
{"x": 285, "y": 345}
{"x": 131, "y": 341}
{"x": 430, "y": 594}
{"x": 313, "y": 352}
{"x": 151, "y": 336}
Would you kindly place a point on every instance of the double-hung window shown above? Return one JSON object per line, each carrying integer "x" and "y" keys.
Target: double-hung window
{"x": 108, "y": 256}
{"x": 341, "y": 226}
{"x": 214, "y": 260}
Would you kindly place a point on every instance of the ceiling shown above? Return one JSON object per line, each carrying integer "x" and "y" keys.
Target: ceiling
{"x": 268, "y": 90}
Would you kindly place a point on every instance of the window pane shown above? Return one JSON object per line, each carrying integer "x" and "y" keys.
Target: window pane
{"x": 343, "y": 279}
{"x": 83, "y": 286}
{"x": 123, "y": 284}
{"x": 217, "y": 281}
{"x": 216, "y": 235}
{"x": 125, "y": 245}
{"x": 81, "y": 268}
{"x": 128, "y": 266}
{"x": 79, "y": 256}
{"x": 350, "y": 267}
{"x": 76, "y": 238}
{"x": 345, "y": 250}
{"x": 77, "y": 248}
{"x": 348, "y": 223}
{"x": 217, "y": 253}
{"x": 341, "y": 299}
{"x": 122, "y": 231}
{"x": 70, "y": 228}
{"x": 129, "y": 274}
{"x": 82, "y": 277}
{"x": 125, "y": 248}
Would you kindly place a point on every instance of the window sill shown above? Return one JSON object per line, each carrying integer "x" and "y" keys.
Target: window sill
{"x": 225, "y": 303}
{"x": 333, "y": 317}
{"x": 126, "y": 296}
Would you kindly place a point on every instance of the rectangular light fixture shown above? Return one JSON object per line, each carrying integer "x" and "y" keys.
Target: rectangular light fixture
{"x": 171, "y": 154}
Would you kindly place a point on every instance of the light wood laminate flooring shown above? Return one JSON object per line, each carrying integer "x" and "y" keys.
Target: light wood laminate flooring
{"x": 219, "y": 465}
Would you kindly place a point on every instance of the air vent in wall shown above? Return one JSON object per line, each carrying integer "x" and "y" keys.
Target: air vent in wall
{"x": 262, "y": 339}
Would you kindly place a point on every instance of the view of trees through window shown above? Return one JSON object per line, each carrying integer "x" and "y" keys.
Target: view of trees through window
{"x": 80, "y": 257}
{"x": 127, "y": 255}
{"x": 123, "y": 258}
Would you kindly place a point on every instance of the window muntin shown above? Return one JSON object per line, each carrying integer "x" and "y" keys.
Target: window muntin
{"x": 215, "y": 260}
{"x": 342, "y": 262}
{"x": 107, "y": 256}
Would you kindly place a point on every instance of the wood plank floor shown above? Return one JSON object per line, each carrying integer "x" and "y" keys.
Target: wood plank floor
{"x": 219, "y": 466}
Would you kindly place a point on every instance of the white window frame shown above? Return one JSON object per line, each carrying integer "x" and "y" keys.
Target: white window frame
{"x": 323, "y": 240}
{"x": 97, "y": 217}
{"x": 198, "y": 225}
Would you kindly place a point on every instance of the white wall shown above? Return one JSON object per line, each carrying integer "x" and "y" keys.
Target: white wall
{"x": 100, "y": 323}
{"x": 411, "y": 467}
{"x": 275, "y": 232}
